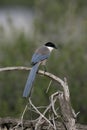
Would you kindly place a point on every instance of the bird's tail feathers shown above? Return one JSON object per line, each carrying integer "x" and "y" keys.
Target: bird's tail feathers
{"x": 30, "y": 80}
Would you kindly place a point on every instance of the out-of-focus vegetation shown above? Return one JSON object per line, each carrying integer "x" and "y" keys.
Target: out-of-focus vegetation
{"x": 29, "y": 3}
{"x": 60, "y": 21}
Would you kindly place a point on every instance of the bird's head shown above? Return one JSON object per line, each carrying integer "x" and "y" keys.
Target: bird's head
{"x": 50, "y": 45}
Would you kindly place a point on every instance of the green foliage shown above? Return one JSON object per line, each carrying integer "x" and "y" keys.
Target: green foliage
{"x": 29, "y": 3}
{"x": 11, "y": 85}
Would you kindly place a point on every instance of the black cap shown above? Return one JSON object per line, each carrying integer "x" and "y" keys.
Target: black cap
{"x": 50, "y": 44}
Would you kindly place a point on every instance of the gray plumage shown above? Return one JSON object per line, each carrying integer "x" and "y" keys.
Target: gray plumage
{"x": 40, "y": 54}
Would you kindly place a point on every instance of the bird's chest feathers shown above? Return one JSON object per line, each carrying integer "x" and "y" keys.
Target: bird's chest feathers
{"x": 50, "y": 48}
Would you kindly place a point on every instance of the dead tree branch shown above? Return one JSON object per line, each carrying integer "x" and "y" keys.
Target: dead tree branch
{"x": 67, "y": 115}
{"x": 9, "y": 123}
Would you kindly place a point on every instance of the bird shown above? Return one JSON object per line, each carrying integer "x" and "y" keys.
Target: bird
{"x": 39, "y": 58}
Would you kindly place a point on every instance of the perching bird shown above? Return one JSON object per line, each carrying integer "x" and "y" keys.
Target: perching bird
{"x": 39, "y": 57}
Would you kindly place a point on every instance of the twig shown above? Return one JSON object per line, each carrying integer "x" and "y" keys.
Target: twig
{"x": 49, "y": 86}
{"x": 20, "y": 123}
{"x": 54, "y": 122}
{"x": 49, "y": 106}
{"x": 40, "y": 113}
{"x": 24, "y": 112}
{"x": 77, "y": 113}
{"x": 41, "y": 107}
{"x": 52, "y": 102}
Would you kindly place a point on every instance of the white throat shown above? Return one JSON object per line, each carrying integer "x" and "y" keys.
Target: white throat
{"x": 50, "y": 48}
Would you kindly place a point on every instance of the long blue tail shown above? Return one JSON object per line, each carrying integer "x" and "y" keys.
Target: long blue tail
{"x": 30, "y": 80}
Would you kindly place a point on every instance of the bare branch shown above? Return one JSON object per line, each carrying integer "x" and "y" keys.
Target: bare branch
{"x": 49, "y": 86}
{"x": 53, "y": 103}
{"x": 40, "y": 114}
{"x": 14, "y": 68}
{"x": 53, "y": 77}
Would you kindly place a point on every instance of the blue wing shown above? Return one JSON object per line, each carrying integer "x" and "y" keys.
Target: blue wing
{"x": 39, "y": 57}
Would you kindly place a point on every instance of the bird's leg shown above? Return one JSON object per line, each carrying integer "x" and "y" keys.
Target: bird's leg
{"x": 45, "y": 68}
{"x": 44, "y": 65}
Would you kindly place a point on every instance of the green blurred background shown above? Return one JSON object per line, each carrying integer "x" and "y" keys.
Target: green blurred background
{"x": 25, "y": 25}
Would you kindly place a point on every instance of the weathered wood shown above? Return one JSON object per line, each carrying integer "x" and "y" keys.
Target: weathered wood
{"x": 12, "y": 122}
{"x": 67, "y": 112}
